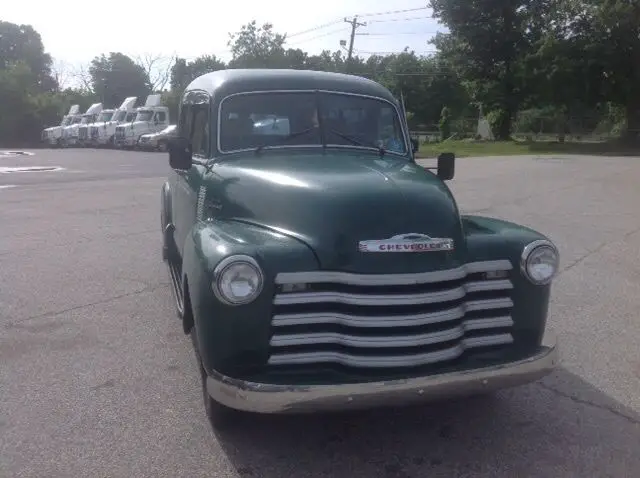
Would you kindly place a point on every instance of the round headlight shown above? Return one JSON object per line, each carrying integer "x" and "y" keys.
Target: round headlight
{"x": 540, "y": 261}
{"x": 237, "y": 280}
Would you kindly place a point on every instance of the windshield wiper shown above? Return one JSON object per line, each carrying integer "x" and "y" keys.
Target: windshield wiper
{"x": 285, "y": 139}
{"x": 357, "y": 142}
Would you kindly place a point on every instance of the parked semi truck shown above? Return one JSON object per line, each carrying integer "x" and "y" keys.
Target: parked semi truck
{"x": 53, "y": 135}
{"x": 84, "y": 131}
{"x": 102, "y": 133}
{"x": 150, "y": 118}
{"x": 71, "y": 133}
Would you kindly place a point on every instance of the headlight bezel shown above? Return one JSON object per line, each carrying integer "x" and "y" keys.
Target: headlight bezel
{"x": 527, "y": 253}
{"x": 223, "y": 266}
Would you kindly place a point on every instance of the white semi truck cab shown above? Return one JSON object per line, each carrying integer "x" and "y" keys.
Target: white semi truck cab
{"x": 71, "y": 134}
{"x": 150, "y": 118}
{"x": 53, "y": 135}
{"x": 102, "y": 132}
{"x": 84, "y": 132}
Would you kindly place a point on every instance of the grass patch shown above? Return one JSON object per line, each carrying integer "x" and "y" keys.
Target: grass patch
{"x": 511, "y": 148}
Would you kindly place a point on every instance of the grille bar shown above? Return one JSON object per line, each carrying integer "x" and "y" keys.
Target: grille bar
{"x": 283, "y": 320}
{"x": 392, "y": 341}
{"x": 392, "y": 299}
{"x": 392, "y": 279}
{"x": 412, "y": 360}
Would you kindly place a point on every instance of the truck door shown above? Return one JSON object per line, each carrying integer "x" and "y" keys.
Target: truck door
{"x": 193, "y": 125}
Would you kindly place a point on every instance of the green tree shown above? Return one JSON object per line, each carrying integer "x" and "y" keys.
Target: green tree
{"x": 617, "y": 24}
{"x": 257, "y": 47}
{"x": 486, "y": 43}
{"x": 184, "y": 72}
{"x": 21, "y": 43}
{"x": 117, "y": 76}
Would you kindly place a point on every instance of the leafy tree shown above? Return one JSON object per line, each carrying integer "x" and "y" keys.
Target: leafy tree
{"x": 487, "y": 42}
{"x": 21, "y": 43}
{"x": 257, "y": 47}
{"x": 184, "y": 72}
{"x": 617, "y": 23}
{"x": 117, "y": 76}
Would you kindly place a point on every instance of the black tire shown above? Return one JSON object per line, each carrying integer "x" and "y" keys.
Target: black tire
{"x": 220, "y": 417}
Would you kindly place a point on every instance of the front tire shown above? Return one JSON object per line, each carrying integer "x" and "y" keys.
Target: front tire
{"x": 220, "y": 416}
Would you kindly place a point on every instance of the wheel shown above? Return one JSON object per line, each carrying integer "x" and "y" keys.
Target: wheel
{"x": 220, "y": 416}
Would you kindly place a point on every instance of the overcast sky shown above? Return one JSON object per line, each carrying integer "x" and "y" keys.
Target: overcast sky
{"x": 190, "y": 28}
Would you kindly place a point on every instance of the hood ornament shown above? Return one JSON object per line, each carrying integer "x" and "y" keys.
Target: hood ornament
{"x": 412, "y": 242}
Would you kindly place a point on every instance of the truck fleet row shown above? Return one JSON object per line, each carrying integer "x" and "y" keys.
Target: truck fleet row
{"x": 122, "y": 127}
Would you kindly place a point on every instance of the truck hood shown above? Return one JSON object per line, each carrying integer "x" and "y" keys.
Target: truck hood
{"x": 332, "y": 202}
{"x": 136, "y": 126}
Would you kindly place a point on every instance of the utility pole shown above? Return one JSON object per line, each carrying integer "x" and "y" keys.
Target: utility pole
{"x": 354, "y": 24}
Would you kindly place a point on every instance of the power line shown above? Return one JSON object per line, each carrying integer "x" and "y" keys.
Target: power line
{"x": 396, "y": 52}
{"x": 335, "y": 22}
{"x": 405, "y": 19}
{"x": 393, "y": 12}
{"x": 316, "y": 28}
{"x": 332, "y": 32}
{"x": 397, "y": 33}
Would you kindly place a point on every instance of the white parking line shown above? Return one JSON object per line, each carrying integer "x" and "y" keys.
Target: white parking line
{"x": 7, "y": 186}
{"x": 29, "y": 169}
{"x": 13, "y": 154}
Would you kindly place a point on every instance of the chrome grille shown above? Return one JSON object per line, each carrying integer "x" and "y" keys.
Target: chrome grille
{"x": 82, "y": 132}
{"x": 94, "y": 131}
{"x": 120, "y": 132}
{"x": 390, "y": 320}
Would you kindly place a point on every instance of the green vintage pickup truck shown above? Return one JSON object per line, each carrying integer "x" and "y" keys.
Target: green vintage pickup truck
{"x": 318, "y": 267}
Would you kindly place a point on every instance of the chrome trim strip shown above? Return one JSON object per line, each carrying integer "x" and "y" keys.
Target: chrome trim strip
{"x": 391, "y": 299}
{"x": 269, "y": 398}
{"x": 283, "y": 320}
{"x": 412, "y": 360}
{"x": 392, "y": 279}
{"x": 386, "y": 341}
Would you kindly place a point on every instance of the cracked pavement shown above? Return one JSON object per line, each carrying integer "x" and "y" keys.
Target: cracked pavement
{"x": 97, "y": 379}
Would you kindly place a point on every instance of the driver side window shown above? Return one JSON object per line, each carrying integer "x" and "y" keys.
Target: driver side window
{"x": 200, "y": 134}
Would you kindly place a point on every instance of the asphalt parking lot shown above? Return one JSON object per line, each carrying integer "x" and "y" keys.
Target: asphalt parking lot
{"x": 97, "y": 379}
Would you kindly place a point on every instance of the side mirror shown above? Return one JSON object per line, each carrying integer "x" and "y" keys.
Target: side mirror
{"x": 180, "y": 153}
{"x": 415, "y": 145}
{"x": 446, "y": 166}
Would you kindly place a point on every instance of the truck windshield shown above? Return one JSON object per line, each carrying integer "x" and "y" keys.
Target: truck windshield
{"x": 144, "y": 115}
{"x": 130, "y": 117}
{"x": 119, "y": 115}
{"x": 76, "y": 120}
{"x": 86, "y": 119}
{"x": 258, "y": 120}
{"x": 104, "y": 116}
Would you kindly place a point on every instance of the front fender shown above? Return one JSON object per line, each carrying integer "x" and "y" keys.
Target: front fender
{"x": 234, "y": 339}
{"x": 492, "y": 239}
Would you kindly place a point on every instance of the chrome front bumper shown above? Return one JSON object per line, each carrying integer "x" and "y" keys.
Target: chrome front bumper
{"x": 266, "y": 398}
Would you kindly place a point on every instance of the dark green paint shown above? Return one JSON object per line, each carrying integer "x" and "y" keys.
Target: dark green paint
{"x": 222, "y": 83}
{"x": 299, "y": 210}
